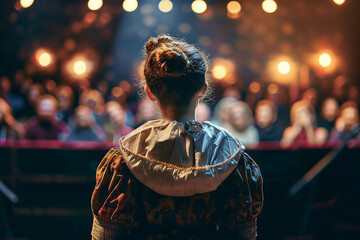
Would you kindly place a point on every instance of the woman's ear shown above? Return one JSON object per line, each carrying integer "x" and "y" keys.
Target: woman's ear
{"x": 149, "y": 93}
{"x": 203, "y": 91}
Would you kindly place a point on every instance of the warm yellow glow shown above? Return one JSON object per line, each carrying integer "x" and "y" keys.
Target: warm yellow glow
{"x": 79, "y": 67}
{"x": 130, "y": 5}
{"x": 44, "y": 59}
{"x": 233, "y": 7}
{"x": 325, "y": 60}
{"x": 269, "y": 6}
{"x": 26, "y": 3}
{"x": 165, "y": 6}
{"x": 199, "y": 6}
{"x": 95, "y": 4}
{"x": 339, "y": 2}
{"x": 219, "y": 72}
{"x": 255, "y": 87}
{"x": 284, "y": 67}
{"x": 272, "y": 88}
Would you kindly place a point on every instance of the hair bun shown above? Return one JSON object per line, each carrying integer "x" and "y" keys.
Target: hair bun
{"x": 154, "y": 43}
{"x": 173, "y": 60}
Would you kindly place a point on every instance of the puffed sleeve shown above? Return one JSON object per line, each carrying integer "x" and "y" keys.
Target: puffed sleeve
{"x": 242, "y": 200}
{"x": 112, "y": 202}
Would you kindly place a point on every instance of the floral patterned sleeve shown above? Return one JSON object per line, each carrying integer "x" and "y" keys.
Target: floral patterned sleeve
{"x": 243, "y": 202}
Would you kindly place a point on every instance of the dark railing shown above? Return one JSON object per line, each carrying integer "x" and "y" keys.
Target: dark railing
{"x": 53, "y": 181}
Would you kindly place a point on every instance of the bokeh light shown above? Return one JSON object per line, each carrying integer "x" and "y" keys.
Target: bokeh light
{"x": 79, "y": 67}
{"x": 284, "y": 67}
{"x": 165, "y": 6}
{"x": 219, "y": 72}
{"x": 130, "y": 5}
{"x": 199, "y": 6}
{"x": 254, "y": 87}
{"x": 273, "y": 88}
{"x": 43, "y": 57}
{"x": 26, "y": 3}
{"x": 233, "y": 7}
{"x": 95, "y": 4}
{"x": 339, "y": 2}
{"x": 269, "y": 6}
{"x": 325, "y": 60}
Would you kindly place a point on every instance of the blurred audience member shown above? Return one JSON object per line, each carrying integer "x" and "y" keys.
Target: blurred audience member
{"x": 222, "y": 111}
{"x": 265, "y": 117}
{"x": 85, "y": 128}
{"x": 34, "y": 92}
{"x": 329, "y": 111}
{"x": 95, "y": 101}
{"x": 302, "y": 131}
{"x": 147, "y": 110}
{"x": 16, "y": 101}
{"x": 45, "y": 125}
{"x": 202, "y": 112}
{"x": 65, "y": 97}
{"x": 340, "y": 86}
{"x": 114, "y": 124}
{"x": 240, "y": 124}
{"x": 311, "y": 95}
{"x": 348, "y": 119}
{"x": 9, "y": 127}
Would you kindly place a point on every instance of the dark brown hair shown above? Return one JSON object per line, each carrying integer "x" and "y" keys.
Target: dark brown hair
{"x": 174, "y": 70}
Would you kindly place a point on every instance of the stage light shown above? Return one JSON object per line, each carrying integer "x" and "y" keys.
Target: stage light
{"x": 26, "y": 3}
{"x": 325, "y": 60}
{"x": 233, "y": 7}
{"x": 130, "y": 5}
{"x": 219, "y": 72}
{"x": 339, "y": 2}
{"x": 284, "y": 67}
{"x": 165, "y": 6}
{"x": 43, "y": 57}
{"x": 269, "y": 6}
{"x": 79, "y": 67}
{"x": 254, "y": 87}
{"x": 199, "y": 6}
{"x": 95, "y": 4}
{"x": 272, "y": 88}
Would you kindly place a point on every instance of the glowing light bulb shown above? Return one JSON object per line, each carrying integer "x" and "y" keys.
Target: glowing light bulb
{"x": 284, "y": 67}
{"x": 45, "y": 59}
{"x": 130, "y": 5}
{"x": 339, "y": 2}
{"x": 325, "y": 60}
{"x": 26, "y": 3}
{"x": 95, "y": 4}
{"x": 165, "y": 6}
{"x": 233, "y": 7}
{"x": 219, "y": 72}
{"x": 199, "y": 6}
{"x": 272, "y": 88}
{"x": 269, "y": 6}
{"x": 79, "y": 67}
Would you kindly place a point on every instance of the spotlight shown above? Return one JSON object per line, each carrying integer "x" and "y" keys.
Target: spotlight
{"x": 95, "y": 4}
{"x": 43, "y": 57}
{"x": 165, "y": 6}
{"x": 284, "y": 67}
{"x": 233, "y": 7}
{"x": 26, "y": 3}
{"x": 339, "y": 2}
{"x": 269, "y": 6}
{"x": 130, "y": 5}
{"x": 79, "y": 67}
{"x": 199, "y": 6}
{"x": 325, "y": 60}
{"x": 219, "y": 72}
{"x": 272, "y": 89}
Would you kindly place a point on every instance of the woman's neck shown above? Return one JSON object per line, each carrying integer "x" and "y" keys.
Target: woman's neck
{"x": 179, "y": 113}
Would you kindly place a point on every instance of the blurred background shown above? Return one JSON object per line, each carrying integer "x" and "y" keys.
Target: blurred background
{"x": 285, "y": 82}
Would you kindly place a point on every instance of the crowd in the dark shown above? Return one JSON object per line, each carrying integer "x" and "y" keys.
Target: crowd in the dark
{"x": 290, "y": 115}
